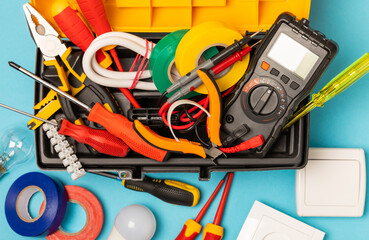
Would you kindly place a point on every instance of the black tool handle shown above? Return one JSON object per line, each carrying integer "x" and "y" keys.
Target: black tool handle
{"x": 169, "y": 191}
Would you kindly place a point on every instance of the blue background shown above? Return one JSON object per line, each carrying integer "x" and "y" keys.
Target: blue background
{"x": 342, "y": 123}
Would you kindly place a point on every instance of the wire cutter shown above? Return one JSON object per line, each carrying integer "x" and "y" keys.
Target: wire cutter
{"x": 213, "y": 127}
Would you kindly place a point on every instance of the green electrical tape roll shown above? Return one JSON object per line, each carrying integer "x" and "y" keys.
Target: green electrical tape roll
{"x": 161, "y": 63}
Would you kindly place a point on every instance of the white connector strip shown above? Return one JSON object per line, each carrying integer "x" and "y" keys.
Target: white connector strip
{"x": 64, "y": 150}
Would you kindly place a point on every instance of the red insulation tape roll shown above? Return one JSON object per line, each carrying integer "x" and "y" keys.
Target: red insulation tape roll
{"x": 94, "y": 215}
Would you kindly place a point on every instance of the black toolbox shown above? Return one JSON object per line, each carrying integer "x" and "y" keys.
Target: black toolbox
{"x": 289, "y": 152}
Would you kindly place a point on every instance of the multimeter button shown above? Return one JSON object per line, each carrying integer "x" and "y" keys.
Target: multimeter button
{"x": 265, "y": 66}
{"x": 294, "y": 85}
{"x": 285, "y": 79}
{"x": 263, "y": 100}
{"x": 274, "y": 72}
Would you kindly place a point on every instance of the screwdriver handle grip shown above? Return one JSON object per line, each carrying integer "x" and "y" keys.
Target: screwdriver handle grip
{"x": 94, "y": 12}
{"x": 122, "y": 128}
{"x": 189, "y": 231}
{"x": 101, "y": 140}
{"x": 169, "y": 191}
{"x": 212, "y": 232}
{"x": 77, "y": 31}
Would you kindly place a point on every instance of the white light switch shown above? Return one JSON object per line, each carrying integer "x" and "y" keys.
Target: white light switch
{"x": 333, "y": 183}
{"x": 266, "y": 223}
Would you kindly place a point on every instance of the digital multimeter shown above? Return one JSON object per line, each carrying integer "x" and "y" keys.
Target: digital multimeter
{"x": 285, "y": 68}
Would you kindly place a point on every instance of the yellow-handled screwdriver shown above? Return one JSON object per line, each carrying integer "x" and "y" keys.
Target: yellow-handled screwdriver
{"x": 169, "y": 191}
{"x": 338, "y": 84}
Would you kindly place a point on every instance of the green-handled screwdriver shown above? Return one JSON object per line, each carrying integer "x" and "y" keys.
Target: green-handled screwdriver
{"x": 169, "y": 191}
{"x": 338, "y": 84}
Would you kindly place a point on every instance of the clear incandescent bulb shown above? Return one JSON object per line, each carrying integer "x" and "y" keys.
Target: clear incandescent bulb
{"x": 15, "y": 148}
{"x": 134, "y": 222}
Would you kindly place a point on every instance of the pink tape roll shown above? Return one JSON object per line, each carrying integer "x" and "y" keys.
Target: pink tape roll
{"x": 94, "y": 215}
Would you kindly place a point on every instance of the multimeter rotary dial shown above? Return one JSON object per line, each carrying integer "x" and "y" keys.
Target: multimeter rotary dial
{"x": 264, "y": 99}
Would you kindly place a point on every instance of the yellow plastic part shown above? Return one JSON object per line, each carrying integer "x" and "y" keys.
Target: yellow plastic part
{"x": 61, "y": 73}
{"x": 181, "y": 185}
{"x": 107, "y": 106}
{"x": 171, "y": 15}
{"x": 213, "y": 230}
{"x": 81, "y": 77}
{"x": 47, "y": 110}
{"x": 107, "y": 62}
{"x": 79, "y": 121}
{"x": 192, "y": 227}
{"x": 183, "y": 146}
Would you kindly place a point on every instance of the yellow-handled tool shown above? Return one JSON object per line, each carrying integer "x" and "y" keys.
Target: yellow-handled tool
{"x": 338, "y": 84}
{"x": 169, "y": 191}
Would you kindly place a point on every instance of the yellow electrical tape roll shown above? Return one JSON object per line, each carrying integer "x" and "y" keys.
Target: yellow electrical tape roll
{"x": 197, "y": 41}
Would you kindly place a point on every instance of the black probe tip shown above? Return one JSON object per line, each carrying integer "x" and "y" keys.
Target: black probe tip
{"x": 14, "y": 65}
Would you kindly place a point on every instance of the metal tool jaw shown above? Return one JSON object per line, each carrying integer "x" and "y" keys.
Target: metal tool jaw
{"x": 44, "y": 35}
{"x": 214, "y": 152}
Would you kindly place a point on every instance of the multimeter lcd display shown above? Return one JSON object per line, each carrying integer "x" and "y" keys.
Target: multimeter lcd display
{"x": 292, "y": 56}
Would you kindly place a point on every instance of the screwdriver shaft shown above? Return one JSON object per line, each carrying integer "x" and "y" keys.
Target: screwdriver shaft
{"x": 45, "y": 83}
{"x": 27, "y": 114}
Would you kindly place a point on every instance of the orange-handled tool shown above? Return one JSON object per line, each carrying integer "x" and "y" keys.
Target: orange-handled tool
{"x": 215, "y": 107}
{"x": 183, "y": 145}
{"x": 116, "y": 124}
{"x": 192, "y": 228}
{"x": 100, "y": 140}
{"x": 94, "y": 12}
{"x": 121, "y": 127}
{"x": 75, "y": 29}
{"x": 213, "y": 231}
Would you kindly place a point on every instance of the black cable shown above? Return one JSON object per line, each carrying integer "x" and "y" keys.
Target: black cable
{"x": 199, "y": 138}
{"x": 162, "y": 96}
{"x": 188, "y": 114}
{"x": 194, "y": 124}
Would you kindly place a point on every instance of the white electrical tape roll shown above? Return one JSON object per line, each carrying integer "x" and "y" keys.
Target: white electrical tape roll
{"x": 108, "y": 78}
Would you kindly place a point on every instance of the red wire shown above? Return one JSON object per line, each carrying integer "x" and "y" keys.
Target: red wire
{"x": 138, "y": 56}
{"x": 164, "y": 108}
{"x": 116, "y": 59}
{"x": 203, "y": 102}
{"x": 163, "y": 114}
{"x": 219, "y": 214}
{"x": 207, "y": 204}
{"x": 125, "y": 91}
{"x": 142, "y": 67}
{"x": 130, "y": 97}
{"x": 176, "y": 127}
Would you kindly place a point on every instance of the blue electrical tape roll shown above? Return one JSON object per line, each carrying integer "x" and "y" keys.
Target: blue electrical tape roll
{"x": 17, "y": 199}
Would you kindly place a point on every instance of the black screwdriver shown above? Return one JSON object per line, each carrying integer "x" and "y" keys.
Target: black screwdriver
{"x": 169, "y": 191}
